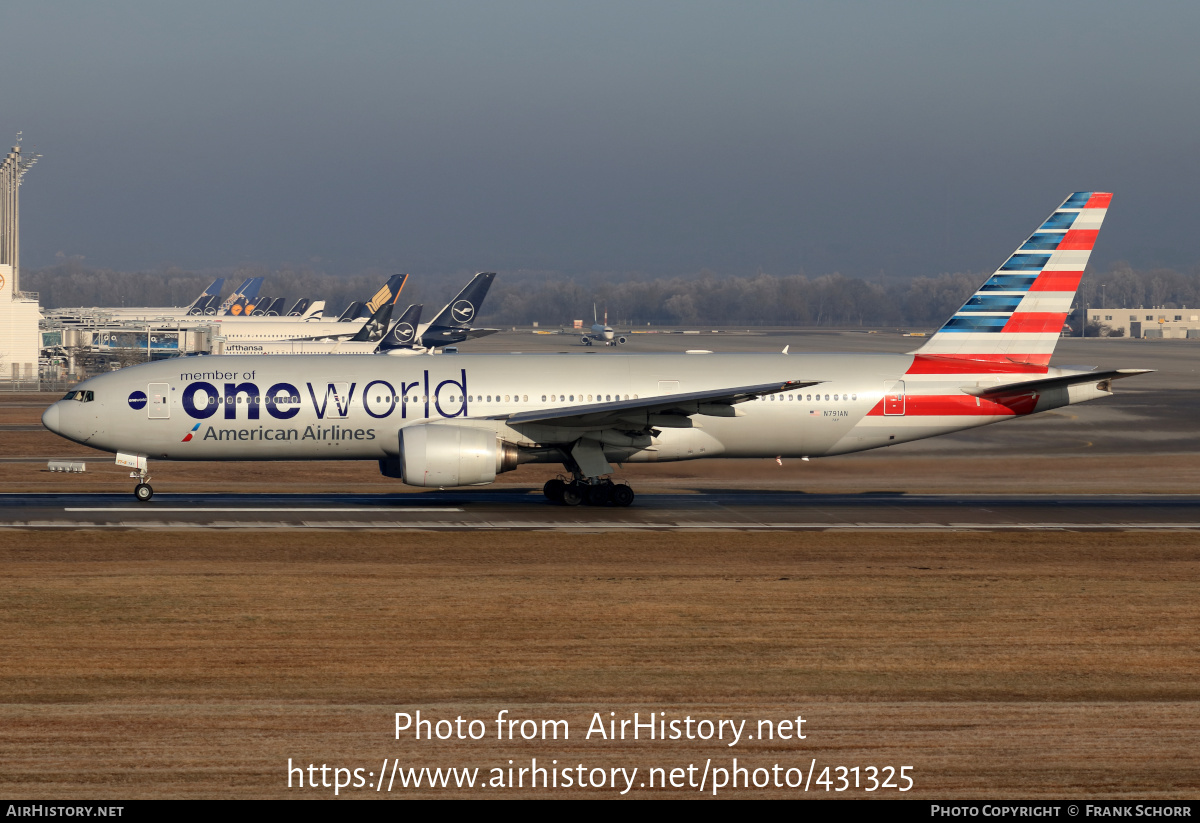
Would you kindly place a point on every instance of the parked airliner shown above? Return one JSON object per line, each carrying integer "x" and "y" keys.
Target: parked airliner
{"x": 460, "y": 419}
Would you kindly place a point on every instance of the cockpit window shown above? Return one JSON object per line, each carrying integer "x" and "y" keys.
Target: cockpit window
{"x": 80, "y": 396}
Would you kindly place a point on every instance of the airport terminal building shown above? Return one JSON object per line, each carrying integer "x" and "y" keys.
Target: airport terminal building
{"x": 1150, "y": 323}
{"x": 20, "y": 341}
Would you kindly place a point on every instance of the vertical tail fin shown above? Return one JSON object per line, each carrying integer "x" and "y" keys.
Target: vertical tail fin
{"x": 384, "y": 301}
{"x": 403, "y": 332}
{"x": 1015, "y": 318}
{"x": 389, "y": 293}
{"x": 206, "y": 296}
{"x": 460, "y": 311}
{"x": 233, "y": 296}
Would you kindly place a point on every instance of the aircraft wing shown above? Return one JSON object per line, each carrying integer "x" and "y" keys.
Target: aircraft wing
{"x": 1047, "y": 383}
{"x": 664, "y": 410}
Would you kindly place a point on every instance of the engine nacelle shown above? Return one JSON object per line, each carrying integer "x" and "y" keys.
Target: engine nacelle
{"x": 446, "y": 455}
{"x": 621, "y": 341}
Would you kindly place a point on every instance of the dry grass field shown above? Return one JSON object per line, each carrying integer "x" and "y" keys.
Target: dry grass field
{"x": 195, "y": 663}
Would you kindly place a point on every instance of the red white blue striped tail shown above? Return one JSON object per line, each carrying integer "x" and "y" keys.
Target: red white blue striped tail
{"x": 1012, "y": 323}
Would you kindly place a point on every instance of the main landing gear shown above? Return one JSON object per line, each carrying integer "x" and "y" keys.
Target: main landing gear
{"x": 593, "y": 492}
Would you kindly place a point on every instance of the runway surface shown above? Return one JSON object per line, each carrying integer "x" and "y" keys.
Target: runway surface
{"x": 527, "y": 510}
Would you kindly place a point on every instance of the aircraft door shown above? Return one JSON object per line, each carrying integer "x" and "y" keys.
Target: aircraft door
{"x": 159, "y": 395}
{"x": 893, "y": 399}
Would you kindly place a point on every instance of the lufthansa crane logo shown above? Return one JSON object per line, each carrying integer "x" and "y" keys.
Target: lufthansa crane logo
{"x": 1, "y": 282}
{"x": 462, "y": 311}
{"x": 404, "y": 332}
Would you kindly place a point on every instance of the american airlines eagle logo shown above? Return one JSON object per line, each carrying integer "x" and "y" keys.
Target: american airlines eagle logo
{"x": 462, "y": 311}
{"x": 404, "y": 332}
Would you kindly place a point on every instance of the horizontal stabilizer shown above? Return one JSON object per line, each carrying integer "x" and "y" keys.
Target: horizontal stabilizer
{"x": 432, "y": 333}
{"x": 1047, "y": 383}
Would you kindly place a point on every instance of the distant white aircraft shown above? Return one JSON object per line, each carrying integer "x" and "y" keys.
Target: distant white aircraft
{"x": 460, "y": 419}
{"x": 602, "y": 332}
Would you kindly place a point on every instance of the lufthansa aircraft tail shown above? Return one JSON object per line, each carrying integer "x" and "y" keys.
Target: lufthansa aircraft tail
{"x": 1012, "y": 323}
{"x": 453, "y": 323}
{"x": 460, "y": 312}
{"x": 207, "y": 296}
{"x": 248, "y": 290}
{"x": 404, "y": 332}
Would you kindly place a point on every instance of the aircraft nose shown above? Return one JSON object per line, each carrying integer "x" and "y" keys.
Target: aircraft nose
{"x": 50, "y": 419}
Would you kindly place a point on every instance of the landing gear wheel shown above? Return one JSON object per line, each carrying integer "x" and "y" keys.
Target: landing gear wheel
{"x": 554, "y": 490}
{"x": 143, "y": 492}
{"x": 622, "y": 495}
{"x": 572, "y": 495}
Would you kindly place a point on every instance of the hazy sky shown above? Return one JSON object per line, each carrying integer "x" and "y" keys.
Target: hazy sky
{"x": 662, "y": 137}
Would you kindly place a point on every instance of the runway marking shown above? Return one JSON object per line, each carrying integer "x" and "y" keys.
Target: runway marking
{"x": 234, "y": 509}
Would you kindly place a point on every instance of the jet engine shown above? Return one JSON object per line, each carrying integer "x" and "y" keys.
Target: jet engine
{"x": 439, "y": 454}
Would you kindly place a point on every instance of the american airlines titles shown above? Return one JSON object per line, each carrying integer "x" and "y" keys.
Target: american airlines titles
{"x": 379, "y": 399}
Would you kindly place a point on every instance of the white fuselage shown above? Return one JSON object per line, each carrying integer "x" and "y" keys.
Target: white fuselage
{"x": 312, "y": 407}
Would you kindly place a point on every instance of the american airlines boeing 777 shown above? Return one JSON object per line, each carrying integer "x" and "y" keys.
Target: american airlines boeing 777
{"x": 460, "y": 419}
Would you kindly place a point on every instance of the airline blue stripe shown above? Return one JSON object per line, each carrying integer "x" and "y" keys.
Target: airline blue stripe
{"x": 976, "y": 324}
{"x": 1026, "y": 262}
{"x": 1042, "y": 242}
{"x": 1077, "y": 200}
{"x": 1060, "y": 220}
{"x": 992, "y": 303}
{"x": 1009, "y": 282}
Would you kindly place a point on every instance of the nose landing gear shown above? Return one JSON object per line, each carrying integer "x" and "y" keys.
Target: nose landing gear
{"x": 142, "y": 491}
